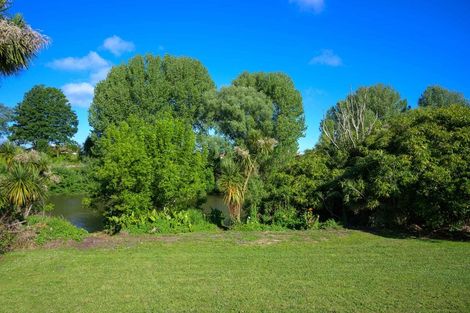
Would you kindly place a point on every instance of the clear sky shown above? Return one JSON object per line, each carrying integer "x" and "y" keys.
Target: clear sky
{"x": 328, "y": 47}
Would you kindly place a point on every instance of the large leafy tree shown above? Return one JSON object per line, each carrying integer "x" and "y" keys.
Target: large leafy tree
{"x": 259, "y": 110}
{"x": 348, "y": 124}
{"x": 243, "y": 115}
{"x": 149, "y": 165}
{"x": 19, "y": 43}
{"x": 287, "y": 120}
{"x": 438, "y": 96}
{"x": 147, "y": 86}
{"x": 44, "y": 116}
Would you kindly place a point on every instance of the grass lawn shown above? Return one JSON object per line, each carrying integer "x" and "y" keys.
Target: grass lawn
{"x": 317, "y": 271}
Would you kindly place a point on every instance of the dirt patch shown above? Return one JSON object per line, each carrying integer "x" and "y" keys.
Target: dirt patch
{"x": 255, "y": 238}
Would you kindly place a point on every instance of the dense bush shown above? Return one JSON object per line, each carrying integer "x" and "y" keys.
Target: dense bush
{"x": 73, "y": 180}
{"x": 414, "y": 171}
{"x": 143, "y": 166}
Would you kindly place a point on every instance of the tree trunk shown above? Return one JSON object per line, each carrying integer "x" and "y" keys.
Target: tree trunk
{"x": 27, "y": 211}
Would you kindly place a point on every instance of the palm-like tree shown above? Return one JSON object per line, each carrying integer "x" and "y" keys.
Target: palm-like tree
{"x": 236, "y": 176}
{"x": 22, "y": 187}
{"x": 8, "y": 151}
{"x": 231, "y": 184}
{"x": 19, "y": 43}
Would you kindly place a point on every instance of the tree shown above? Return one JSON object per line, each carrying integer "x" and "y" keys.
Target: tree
{"x": 6, "y": 115}
{"x": 231, "y": 184}
{"x": 19, "y": 43}
{"x": 439, "y": 97}
{"x": 43, "y": 117}
{"x": 288, "y": 120}
{"x": 351, "y": 121}
{"x": 237, "y": 173}
{"x": 147, "y": 87}
{"x": 300, "y": 187}
{"x": 243, "y": 115}
{"x": 24, "y": 184}
{"x": 259, "y": 107}
{"x": 148, "y": 165}
{"x": 414, "y": 171}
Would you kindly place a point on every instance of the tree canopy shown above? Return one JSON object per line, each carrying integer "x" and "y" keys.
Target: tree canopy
{"x": 438, "y": 96}
{"x": 243, "y": 115}
{"x": 353, "y": 119}
{"x": 149, "y": 86}
{"x": 43, "y": 117}
{"x": 288, "y": 122}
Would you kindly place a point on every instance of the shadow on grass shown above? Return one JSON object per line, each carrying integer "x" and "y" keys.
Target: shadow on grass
{"x": 430, "y": 236}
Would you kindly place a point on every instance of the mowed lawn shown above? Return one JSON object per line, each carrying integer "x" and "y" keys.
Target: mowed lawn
{"x": 317, "y": 271}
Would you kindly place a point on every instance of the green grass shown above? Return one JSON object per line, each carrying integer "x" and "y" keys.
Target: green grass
{"x": 50, "y": 228}
{"x": 316, "y": 271}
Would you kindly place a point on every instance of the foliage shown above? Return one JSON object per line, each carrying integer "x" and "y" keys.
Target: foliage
{"x": 6, "y": 115}
{"x": 330, "y": 224}
{"x": 164, "y": 222}
{"x": 143, "y": 166}
{"x": 43, "y": 117}
{"x": 54, "y": 228}
{"x": 243, "y": 114}
{"x": 73, "y": 180}
{"x": 299, "y": 186}
{"x": 24, "y": 183}
{"x": 414, "y": 171}
{"x": 288, "y": 123}
{"x": 250, "y": 226}
{"x": 258, "y": 108}
{"x": 348, "y": 124}
{"x": 239, "y": 172}
{"x": 19, "y": 43}
{"x": 438, "y": 96}
{"x": 231, "y": 184}
{"x": 7, "y": 236}
{"x": 147, "y": 86}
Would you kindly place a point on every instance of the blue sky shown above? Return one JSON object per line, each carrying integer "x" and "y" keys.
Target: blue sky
{"x": 328, "y": 47}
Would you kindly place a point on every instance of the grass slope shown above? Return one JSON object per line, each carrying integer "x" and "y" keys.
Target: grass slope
{"x": 319, "y": 271}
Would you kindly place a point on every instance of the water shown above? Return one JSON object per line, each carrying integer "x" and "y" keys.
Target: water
{"x": 71, "y": 208}
{"x": 216, "y": 202}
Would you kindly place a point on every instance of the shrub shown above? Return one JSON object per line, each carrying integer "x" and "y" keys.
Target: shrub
{"x": 55, "y": 228}
{"x": 142, "y": 166}
{"x": 286, "y": 218}
{"x": 73, "y": 180}
{"x": 330, "y": 224}
{"x": 7, "y": 238}
{"x": 164, "y": 222}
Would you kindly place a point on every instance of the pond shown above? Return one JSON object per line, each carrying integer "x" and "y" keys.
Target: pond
{"x": 71, "y": 208}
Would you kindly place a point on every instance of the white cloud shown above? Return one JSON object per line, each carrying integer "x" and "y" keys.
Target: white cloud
{"x": 118, "y": 46}
{"x": 79, "y": 94}
{"x": 92, "y": 61}
{"x": 327, "y": 57}
{"x": 310, "y": 5}
{"x": 99, "y": 75}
